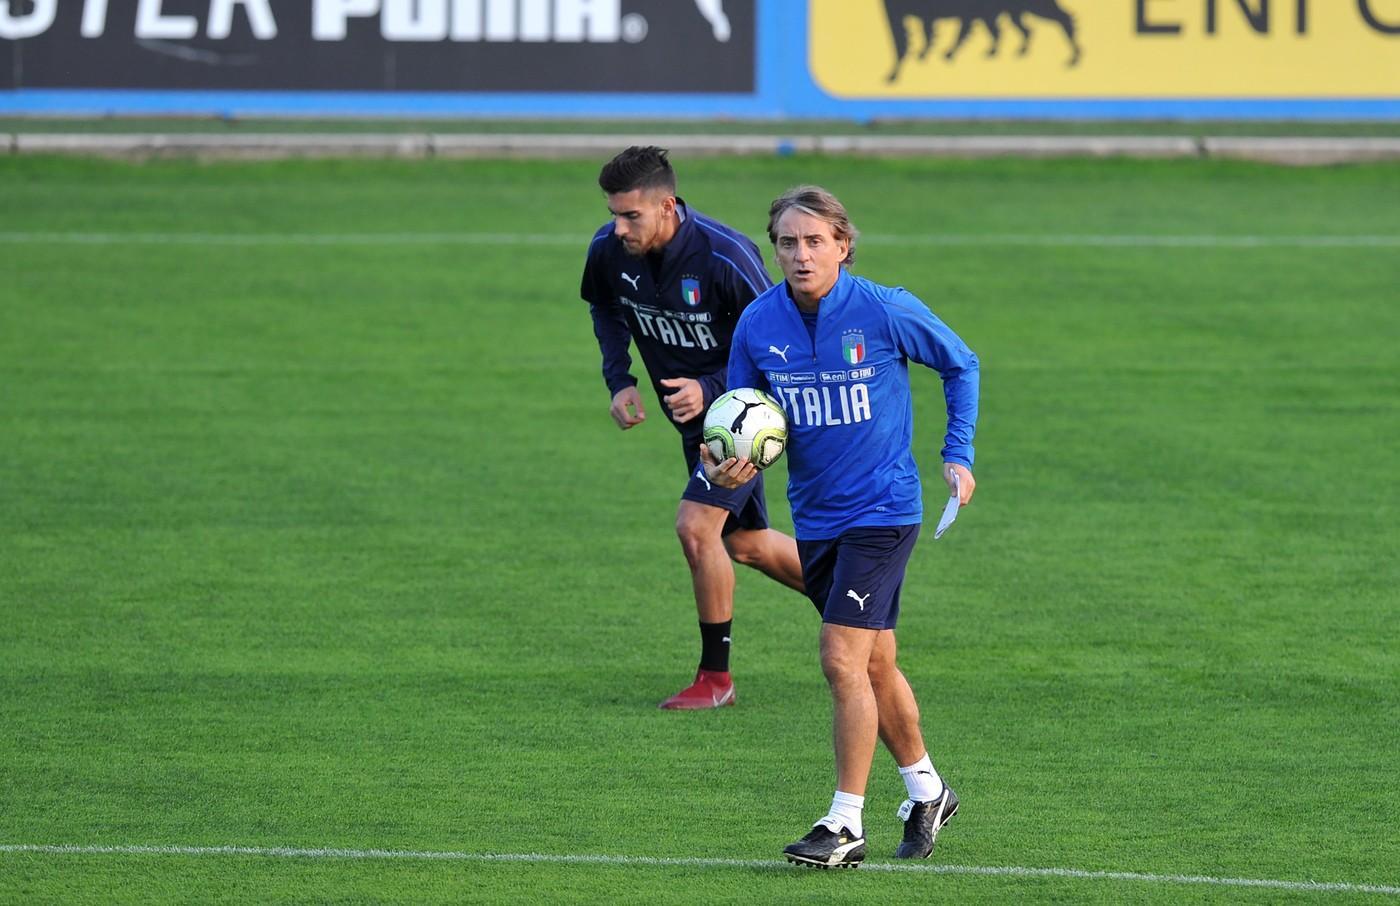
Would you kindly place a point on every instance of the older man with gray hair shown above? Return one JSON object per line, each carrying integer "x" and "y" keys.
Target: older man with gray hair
{"x": 854, "y": 488}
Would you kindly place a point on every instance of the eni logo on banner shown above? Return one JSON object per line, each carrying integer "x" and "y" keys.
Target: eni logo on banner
{"x": 938, "y": 49}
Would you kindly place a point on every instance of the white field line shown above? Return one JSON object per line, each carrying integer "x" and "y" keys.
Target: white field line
{"x": 657, "y": 862}
{"x": 580, "y": 241}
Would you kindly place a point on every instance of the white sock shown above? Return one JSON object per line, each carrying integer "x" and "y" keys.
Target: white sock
{"x": 922, "y": 781}
{"x": 845, "y": 812}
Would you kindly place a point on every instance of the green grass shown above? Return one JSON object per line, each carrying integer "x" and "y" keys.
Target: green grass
{"x": 333, "y": 545}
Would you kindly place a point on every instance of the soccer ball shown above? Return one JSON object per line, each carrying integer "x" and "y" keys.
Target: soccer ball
{"x": 747, "y": 424}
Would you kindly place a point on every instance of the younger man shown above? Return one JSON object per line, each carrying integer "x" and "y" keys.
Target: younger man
{"x": 673, "y": 281}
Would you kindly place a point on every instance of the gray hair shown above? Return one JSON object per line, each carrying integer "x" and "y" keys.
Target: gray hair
{"x": 819, "y": 203}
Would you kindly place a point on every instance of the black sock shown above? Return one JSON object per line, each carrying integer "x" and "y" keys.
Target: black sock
{"x": 714, "y": 646}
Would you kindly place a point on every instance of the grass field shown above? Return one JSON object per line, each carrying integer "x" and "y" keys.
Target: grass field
{"x": 315, "y": 534}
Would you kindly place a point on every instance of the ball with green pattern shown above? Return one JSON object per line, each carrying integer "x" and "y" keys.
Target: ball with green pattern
{"x": 746, "y": 423}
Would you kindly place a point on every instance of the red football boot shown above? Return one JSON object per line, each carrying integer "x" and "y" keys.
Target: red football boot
{"x": 711, "y": 689}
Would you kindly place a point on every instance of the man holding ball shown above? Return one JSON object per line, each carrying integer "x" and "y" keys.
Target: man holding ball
{"x": 855, "y": 493}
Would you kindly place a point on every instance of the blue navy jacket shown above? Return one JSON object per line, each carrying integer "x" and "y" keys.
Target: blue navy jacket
{"x": 850, "y": 413}
{"x": 682, "y": 320}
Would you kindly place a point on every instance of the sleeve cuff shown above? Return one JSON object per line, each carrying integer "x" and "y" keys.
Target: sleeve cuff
{"x": 959, "y": 455}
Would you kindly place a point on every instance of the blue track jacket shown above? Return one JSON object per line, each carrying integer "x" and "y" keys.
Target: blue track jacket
{"x": 851, "y": 417}
{"x": 680, "y": 318}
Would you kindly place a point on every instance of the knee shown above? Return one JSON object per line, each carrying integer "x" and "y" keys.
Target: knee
{"x": 744, "y": 548}
{"x": 842, "y": 670}
{"x": 883, "y": 673}
{"x": 694, "y": 536}
{"x": 689, "y": 539}
{"x": 841, "y": 676}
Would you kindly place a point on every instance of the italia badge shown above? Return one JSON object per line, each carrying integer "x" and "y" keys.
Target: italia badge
{"x": 853, "y": 347}
{"x": 690, "y": 291}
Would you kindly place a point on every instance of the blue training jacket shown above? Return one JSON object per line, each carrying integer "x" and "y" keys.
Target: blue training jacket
{"x": 850, "y": 413}
{"x": 681, "y": 317}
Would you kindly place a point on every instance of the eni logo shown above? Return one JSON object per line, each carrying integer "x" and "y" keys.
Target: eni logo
{"x": 1137, "y": 51}
{"x": 969, "y": 13}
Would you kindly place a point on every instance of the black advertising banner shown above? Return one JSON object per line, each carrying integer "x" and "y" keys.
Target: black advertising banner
{"x": 629, "y": 46}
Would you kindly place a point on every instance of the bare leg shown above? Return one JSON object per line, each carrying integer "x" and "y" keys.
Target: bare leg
{"x": 698, "y": 526}
{"x": 770, "y": 552}
{"x": 845, "y": 653}
{"x": 899, "y": 710}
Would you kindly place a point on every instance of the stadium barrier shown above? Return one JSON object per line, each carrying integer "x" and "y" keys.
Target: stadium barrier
{"x": 853, "y": 60}
{"x": 417, "y": 146}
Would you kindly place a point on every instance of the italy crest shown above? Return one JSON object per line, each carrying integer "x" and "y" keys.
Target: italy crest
{"x": 853, "y": 347}
{"x": 690, "y": 291}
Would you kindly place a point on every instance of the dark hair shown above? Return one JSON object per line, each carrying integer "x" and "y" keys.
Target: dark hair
{"x": 819, "y": 203}
{"x": 638, "y": 168}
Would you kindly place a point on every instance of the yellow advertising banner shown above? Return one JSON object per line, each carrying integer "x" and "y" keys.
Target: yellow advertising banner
{"x": 939, "y": 49}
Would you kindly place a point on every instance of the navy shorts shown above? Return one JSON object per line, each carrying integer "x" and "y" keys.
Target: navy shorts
{"x": 855, "y": 578}
{"x": 746, "y": 505}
